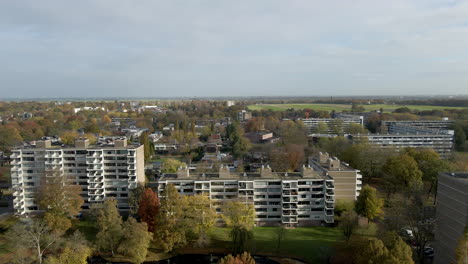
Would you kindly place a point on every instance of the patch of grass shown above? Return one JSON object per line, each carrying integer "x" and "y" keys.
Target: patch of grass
{"x": 314, "y": 244}
{"x": 87, "y": 228}
{"x": 341, "y": 107}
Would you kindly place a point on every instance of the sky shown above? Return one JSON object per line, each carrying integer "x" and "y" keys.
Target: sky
{"x": 172, "y": 48}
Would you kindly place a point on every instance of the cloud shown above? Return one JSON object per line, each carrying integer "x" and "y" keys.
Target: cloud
{"x": 202, "y": 48}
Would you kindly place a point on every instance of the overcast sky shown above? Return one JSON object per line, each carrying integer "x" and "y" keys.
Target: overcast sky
{"x": 99, "y": 48}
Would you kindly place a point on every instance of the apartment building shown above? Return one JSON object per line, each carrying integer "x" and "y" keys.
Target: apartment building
{"x": 395, "y": 126}
{"x": 244, "y": 115}
{"x": 343, "y": 121}
{"x": 348, "y": 181}
{"x": 451, "y": 215}
{"x": 442, "y": 143}
{"x": 101, "y": 171}
{"x": 293, "y": 199}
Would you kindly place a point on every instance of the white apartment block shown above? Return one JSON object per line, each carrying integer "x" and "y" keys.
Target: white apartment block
{"x": 101, "y": 171}
{"x": 394, "y": 126}
{"x": 441, "y": 143}
{"x": 348, "y": 181}
{"x": 292, "y": 199}
{"x": 343, "y": 121}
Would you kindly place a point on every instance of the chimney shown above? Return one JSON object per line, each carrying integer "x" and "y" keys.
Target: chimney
{"x": 183, "y": 172}
{"x": 307, "y": 171}
{"x": 333, "y": 164}
{"x": 82, "y": 143}
{"x": 224, "y": 172}
{"x": 323, "y": 157}
{"x": 266, "y": 172}
{"x": 120, "y": 142}
{"x": 46, "y": 143}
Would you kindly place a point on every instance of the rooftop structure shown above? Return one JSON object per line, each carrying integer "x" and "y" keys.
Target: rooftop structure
{"x": 452, "y": 215}
{"x": 101, "y": 171}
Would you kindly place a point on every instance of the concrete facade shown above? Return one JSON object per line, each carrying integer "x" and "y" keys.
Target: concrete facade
{"x": 348, "y": 181}
{"x": 101, "y": 172}
{"x": 291, "y": 199}
{"x": 451, "y": 215}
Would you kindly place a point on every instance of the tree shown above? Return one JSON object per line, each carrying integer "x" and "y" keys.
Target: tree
{"x": 36, "y": 236}
{"x": 368, "y": 204}
{"x": 75, "y": 250}
{"x": 146, "y": 145}
{"x": 134, "y": 199}
{"x": 293, "y": 133}
{"x": 343, "y": 206}
{"x": 373, "y": 252}
{"x": 9, "y": 137}
{"x": 200, "y": 216}
{"x": 356, "y": 129}
{"x": 148, "y": 208}
{"x": 171, "y": 229}
{"x": 135, "y": 240}
{"x": 401, "y": 251}
{"x": 171, "y": 165}
{"x": 348, "y": 223}
{"x": 60, "y": 200}
{"x": 461, "y": 252}
{"x": 280, "y": 234}
{"x": 402, "y": 172}
{"x": 240, "y": 236}
{"x": 459, "y": 137}
{"x": 429, "y": 163}
{"x": 110, "y": 227}
{"x": 68, "y": 137}
{"x": 322, "y": 128}
{"x": 336, "y": 126}
{"x": 243, "y": 258}
{"x": 236, "y": 213}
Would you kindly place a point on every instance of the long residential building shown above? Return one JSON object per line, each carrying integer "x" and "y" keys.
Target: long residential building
{"x": 348, "y": 181}
{"x": 451, "y": 215}
{"x": 442, "y": 143}
{"x": 343, "y": 122}
{"x": 293, "y": 199}
{"x": 100, "y": 171}
{"x": 395, "y": 126}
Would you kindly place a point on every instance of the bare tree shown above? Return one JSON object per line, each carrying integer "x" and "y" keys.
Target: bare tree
{"x": 36, "y": 236}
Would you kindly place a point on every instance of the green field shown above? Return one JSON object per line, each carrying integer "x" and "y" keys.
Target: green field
{"x": 313, "y": 244}
{"x": 341, "y": 107}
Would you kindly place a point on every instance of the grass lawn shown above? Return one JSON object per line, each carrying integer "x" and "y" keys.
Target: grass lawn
{"x": 341, "y": 107}
{"x": 313, "y": 244}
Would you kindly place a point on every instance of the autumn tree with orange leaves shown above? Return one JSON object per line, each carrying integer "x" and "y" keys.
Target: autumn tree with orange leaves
{"x": 149, "y": 208}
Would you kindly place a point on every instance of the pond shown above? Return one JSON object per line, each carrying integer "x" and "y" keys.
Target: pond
{"x": 189, "y": 258}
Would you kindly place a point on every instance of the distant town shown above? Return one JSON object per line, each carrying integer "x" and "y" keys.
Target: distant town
{"x": 235, "y": 180}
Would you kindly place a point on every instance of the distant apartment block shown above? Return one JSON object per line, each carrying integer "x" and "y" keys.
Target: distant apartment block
{"x": 397, "y": 126}
{"x": 452, "y": 215}
{"x": 293, "y": 199}
{"x": 102, "y": 171}
{"x": 348, "y": 181}
{"x": 343, "y": 121}
{"x": 442, "y": 143}
{"x": 261, "y": 137}
{"x": 244, "y": 115}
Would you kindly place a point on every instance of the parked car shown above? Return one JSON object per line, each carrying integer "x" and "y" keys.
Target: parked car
{"x": 428, "y": 252}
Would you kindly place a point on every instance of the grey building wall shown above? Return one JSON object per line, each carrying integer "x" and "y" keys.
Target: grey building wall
{"x": 452, "y": 215}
